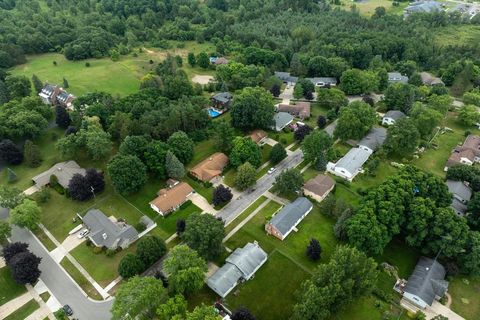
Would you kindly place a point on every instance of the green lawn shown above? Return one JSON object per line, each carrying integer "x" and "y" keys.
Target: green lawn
{"x": 202, "y": 151}
{"x": 398, "y": 254}
{"x": 80, "y": 279}
{"x": 465, "y": 292}
{"x": 383, "y": 171}
{"x": 245, "y": 214}
{"x": 24, "y": 311}
{"x": 367, "y": 7}
{"x": 44, "y": 239}
{"x": 200, "y": 188}
{"x": 285, "y": 138}
{"x": 168, "y": 224}
{"x": 9, "y": 289}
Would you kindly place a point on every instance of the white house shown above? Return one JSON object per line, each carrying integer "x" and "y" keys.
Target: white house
{"x": 391, "y": 117}
{"x": 350, "y": 165}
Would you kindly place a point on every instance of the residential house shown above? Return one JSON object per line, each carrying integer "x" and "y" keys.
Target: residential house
{"x": 107, "y": 232}
{"x": 426, "y": 284}
{"x": 392, "y": 116}
{"x": 211, "y": 168}
{"x": 430, "y": 80}
{"x": 299, "y": 109}
{"x": 220, "y": 61}
{"x": 350, "y": 164}
{"x": 467, "y": 154}
{"x": 170, "y": 199}
{"x": 423, "y": 7}
{"x": 240, "y": 266}
{"x": 397, "y": 77}
{"x": 286, "y": 77}
{"x": 49, "y": 93}
{"x": 65, "y": 99}
{"x": 319, "y": 187}
{"x": 259, "y": 137}
{"x": 282, "y": 119}
{"x": 222, "y": 100}
{"x": 287, "y": 219}
{"x": 461, "y": 195}
{"x": 64, "y": 171}
{"x": 323, "y": 82}
{"x": 374, "y": 139}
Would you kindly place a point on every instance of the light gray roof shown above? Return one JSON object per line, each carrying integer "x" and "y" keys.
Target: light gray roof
{"x": 285, "y": 76}
{"x": 430, "y": 79}
{"x": 459, "y": 207}
{"x": 105, "y": 232}
{"x": 460, "y": 189}
{"x": 241, "y": 264}
{"x": 326, "y": 80}
{"x": 394, "y": 114}
{"x": 353, "y": 160}
{"x": 286, "y": 219}
{"x": 424, "y": 6}
{"x": 374, "y": 138}
{"x": 397, "y": 77}
{"x": 282, "y": 119}
{"x": 64, "y": 171}
{"x": 223, "y": 97}
{"x": 427, "y": 280}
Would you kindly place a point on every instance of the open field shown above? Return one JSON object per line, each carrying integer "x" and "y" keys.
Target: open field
{"x": 457, "y": 35}
{"x": 367, "y": 7}
{"x": 9, "y": 289}
{"x": 80, "y": 279}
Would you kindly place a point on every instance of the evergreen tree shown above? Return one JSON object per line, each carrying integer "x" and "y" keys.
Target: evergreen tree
{"x": 192, "y": 61}
{"x": 3, "y": 93}
{"x": 275, "y": 90}
{"x": 202, "y": 60}
{"x": 10, "y": 153}
{"x": 314, "y": 250}
{"x": 62, "y": 118}
{"x": 175, "y": 168}
{"x": 11, "y": 175}
{"x": 31, "y": 154}
{"x": 37, "y": 84}
{"x": 65, "y": 84}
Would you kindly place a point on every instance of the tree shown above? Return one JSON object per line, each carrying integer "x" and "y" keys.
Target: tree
{"x": 24, "y": 267}
{"x": 245, "y": 177}
{"x": 221, "y": 195}
{"x": 192, "y": 61}
{"x": 355, "y": 81}
{"x": 10, "y": 197}
{"x": 3, "y": 93}
{"x": 331, "y": 98}
{"x": 96, "y": 141}
{"x": 65, "y": 84}
{"x": 472, "y": 97}
{"x": 5, "y": 231}
{"x": 426, "y": 119}
{"x": 31, "y": 154}
{"x": 185, "y": 270}
{"x": 180, "y": 226}
{"x": 138, "y": 297}
{"x": 277, "y": 154}
{"x": 316, "y": 144}
{"x": 26, "y": 214}
{"x": 18, "y": 86}
{"x": 79, "y": 188}
{"x": 468, "y": 115}
{"x": 223, "y": 135}
{"x": 10, "y": 153}
{"x": 314, "y": 250}
{"x": 182, "y": 146}
{"x": 10, "y": 250}
{"x": 470, "y": 259}
{"x": 441, "y": 103}
{"x": 298, "y": 91}
{"x": 175, "y": 168}
{"x": 355, "y": 121}
{"x": 150, "y": 249}
{"x": 275, "y": 90}
{"x": 204, "y": 234}
{"x": 253, "y": 108}
{"x": 175, "y": 306}
{"x": 202, "y": 312}
{"x": 95, "y": 180}
{"x": 155, "y": 155}
{"x": 128, "y": 173}
{"x": 321, "y": 162}
{"x": 135, "y": 146}
{"x": 202, "y": 60}
{"x": 321, "y": 122}
{"x": 288, "y": 181}
{"x": 130, "y": 265}
{"x": 245, "y": 150}
{"x": 301, "y": 132}
{"x": 37, "y": 84}
{"x": 242, "y": 313}
{"x": 400, "y": 96}
{"x": 402, "y": 137}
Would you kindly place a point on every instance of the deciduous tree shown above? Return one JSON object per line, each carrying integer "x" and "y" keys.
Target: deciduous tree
{"x": 10, "y": 153}
{"x": 302, "y": 132}
{"x": 321, "y": 122}
{"x": 288, "y": 181}
{"x": 223, "y": 135}
{"x": 182, "y": 146}
{"x": 18, "y": 86}
{"x": 174, "y": 307}
{"x": 155, "y": 155}
{"x": 245, "y": 150}
{"x": 128, "y": 173}
{"x": 202, "y": 60}
{"x": 469, "y": 115}
{"x": 245, "y": 177}
{"x": 5, "y": 231}
{"x": 10, "y": 197}
{"x": 355, "y": 121}
{"x": 79, "y": 188}
{"x": 150, "y": 249}
{"x": 130, "y": 265}
{"x": 10, "y": 250}
{"x": 277, "y": 154}
{"x": 331, "y": 98}
{"x": 221, "y": 195}
{"x": 24, "y": 267}
{"x": 400, "y": 96}
{"x": 26, "y": 214}
{"x": 316, "y": 144}
{"x": 403, "y": 137}
{"x": 242, "y": 313}
{"x": 31, "y": 154}
{"x": 204, "y": 233}
{"x": 253, "y": 108}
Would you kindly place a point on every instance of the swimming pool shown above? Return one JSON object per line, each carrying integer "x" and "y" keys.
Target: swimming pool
{"x": 213, "y": 113}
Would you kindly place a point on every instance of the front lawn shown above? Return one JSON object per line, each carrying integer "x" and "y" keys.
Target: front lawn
{"x": 168, "y": 224}
{"x": 24, "y": 311}
{"x": 465, "y": 292}
{"x": 9, "y": 289}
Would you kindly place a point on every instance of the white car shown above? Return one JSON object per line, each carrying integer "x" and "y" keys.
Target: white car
{"x": 83, "y": 233}
{"x": 272, "y": 170}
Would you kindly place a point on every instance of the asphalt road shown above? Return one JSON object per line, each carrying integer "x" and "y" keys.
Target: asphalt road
{"x": 237, "y": 206}
{"x": 62, "y": 287}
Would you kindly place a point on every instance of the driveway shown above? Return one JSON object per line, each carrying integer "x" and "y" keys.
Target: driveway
{"x": 202, "y": 203}
{"x": 287, "y": 94}
{"x": 237, "y": 206}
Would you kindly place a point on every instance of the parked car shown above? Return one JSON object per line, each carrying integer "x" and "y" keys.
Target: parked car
{"x": 67, "y": 310}
{"x": 272, "y": 170}
{"x": 83, "y": 233}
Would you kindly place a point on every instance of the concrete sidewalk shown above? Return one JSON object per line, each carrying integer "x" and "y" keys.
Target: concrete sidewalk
{"x": 12, "y": 305}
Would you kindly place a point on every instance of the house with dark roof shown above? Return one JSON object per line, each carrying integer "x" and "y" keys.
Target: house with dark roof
{"x": 285, "y": 77}
{"x": 65, "y": 99}
{"x": 319, "y": 187}
{"x": 281, "y": 120}
{"x": 299, "y": 109}
{"x": 429, "y": 79}
{"x": 426, "y": 284}
{"x": 287, "y": 219}
{"x": 210, "y": 168}
{"x": 222, "y": 100}
{"x": 350, "y": 164}
{"x": 461, "y": 195}
{"x": 397, "y": 77}
{"x": 64, "y": 171}
{"x": 170, "y": 199}
{"x": 468, "y": 153}
{"x": 374, "y": 139}
{"x": 392, "y": 116}
{"x": 107, "y": 232}
{"x": 240, "y": 266}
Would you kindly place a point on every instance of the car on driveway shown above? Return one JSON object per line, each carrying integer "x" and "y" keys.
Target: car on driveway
{"x": 272, "y": 170}
{"x": 68, "y": 310}
{"x": 83, "y": 233}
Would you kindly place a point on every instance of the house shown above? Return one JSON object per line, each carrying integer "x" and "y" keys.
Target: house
{"x": 281, "y": 119}
{"x": 240, "y": 266}
{"x": 49, "y": 93}
{"x": 467, "y": 154}
{"x": 170, "y": 199}
{"x": 210, "y": 168}
{"x": 392, "y": 116}
{"x": 373, "y": 140}
{"x": 350, "y": 164}
{"x": 461, "y": 195}
{"x": 220, "y": 61}
{"x": 423, "y": 7}
{"x": 106, "y": 232}
{"x": 397, "y": 77}
{"x": 286, "y": 77}
{"x": 65, "y": 99}
{"x": 64, "y": 171}
{"x": 300, "y": 109}
{"x": 426, "y": 284}
{"x": 222, "y": 100}
{"x": 286, "y": 220}
{"x": 319, "y": 187}
{"x": 430, "y": 80}
{"x": 323, "y": 81}
{"x": 259, "y": 136}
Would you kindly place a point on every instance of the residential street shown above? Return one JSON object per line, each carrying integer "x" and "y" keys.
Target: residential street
{"x": 237, "y": 206}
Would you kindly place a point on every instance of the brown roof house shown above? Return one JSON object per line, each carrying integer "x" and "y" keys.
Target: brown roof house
{"x": 210, "y": 168}
{"x": 54, "y": 95}
{"x": 319, "y": 187}
{"x": 467, "y": 154}
{"x": 259, "y": 137}
{"x": 170, "y": 199}
{"x": 429, "y": 79}
{"x": 300, "y": 109}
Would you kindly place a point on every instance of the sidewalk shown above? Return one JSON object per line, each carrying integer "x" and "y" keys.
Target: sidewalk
{"x": 241, "y": 224}
{"x": 12, "y": 305}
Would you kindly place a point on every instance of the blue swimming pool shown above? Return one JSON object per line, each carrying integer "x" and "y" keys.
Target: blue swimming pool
{"x": 213, "y": 113}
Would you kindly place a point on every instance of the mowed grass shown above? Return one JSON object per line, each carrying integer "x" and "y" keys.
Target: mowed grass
{"x": 80, "y": 279}
{"x": 465, "y": 292}
{"x": 9, "y": 289}
{"x": 24, "y": 311}
{"x": 245, "y": 214}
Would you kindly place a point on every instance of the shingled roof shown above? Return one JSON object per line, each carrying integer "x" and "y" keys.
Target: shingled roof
{"x": 210, "y": 167}
{"x": 64, "y": 171}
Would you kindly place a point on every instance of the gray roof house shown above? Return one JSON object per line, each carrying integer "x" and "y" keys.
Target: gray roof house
{"x": 397, "y": 77}
{"x": 282, "y": 119}
{"x": 222, "y": 99}
{"x": 350, "y": 164}
{"x": 240, "y": 265}
{"x": 426, "y": 284}
{"x": 423, "y": 7}
{"x": 461, "y": 195}
{"x": 323, "y": 81}
{"x": 373, "y": 140}
{"x": 64, "y": 171}
{"x": 285, "y": 77}
{"x": 288, "y": 218}
{"x": 104, "y": 232}
{"x": 392, "y": 116}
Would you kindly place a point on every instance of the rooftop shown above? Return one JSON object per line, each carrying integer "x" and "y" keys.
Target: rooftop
{"x": 353, "y": 160}
{"x": 284, "y": 220}
{"x": 319, "y": 185}
{"x": 374, "y": 138}
{"x": 168, "y": 199}
{"x": 394, "y": 114}
{"x": 210, "y": 167}
{"x": 64, "y": 171}
{"x": 282, "y": 119}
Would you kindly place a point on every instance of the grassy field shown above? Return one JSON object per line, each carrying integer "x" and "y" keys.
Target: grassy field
{"x": 457, "y": 34}
{"x": 80, "y": 279}
{"x": 367, "y": 7}
{"x": 9, "y": 289}
{"x": 465, "y": 292}
{"x": 24, "y": 311}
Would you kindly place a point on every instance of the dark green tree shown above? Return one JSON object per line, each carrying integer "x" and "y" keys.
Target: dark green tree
{"x": 253, "y": 108}
{"x": 288, "y": 181}
{"x": 182, "y": 146}
{"x": 128, "y": 173}
{"x": 130, "y": 266}
{"x": 245, "y": 177}
{"x": 204, "y": 233}
{"x": 277, "y": 154}
{"x": 355, "y": 121}
{"x": 37, "y": 84}
{"x": 245, "y": 150}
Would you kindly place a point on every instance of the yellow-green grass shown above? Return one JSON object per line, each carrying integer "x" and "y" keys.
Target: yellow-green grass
{"x": 383, "y": 171}
{"x": 45, "y": 296}
{"x": 464, "y": 34}
{"x": 80, "y": 279}
{"x": 245, "y": 214}
{"x": 202, "y": 151}
{"x": 44, "y": 239}
{"x": 9, "y": 289}
{"x": 403, "y": 257}
{"x": 24, "y": 311}
{"x": 465, "y": 292}
{"x": 367, "y": 7}
{"x": 102, "y": 268}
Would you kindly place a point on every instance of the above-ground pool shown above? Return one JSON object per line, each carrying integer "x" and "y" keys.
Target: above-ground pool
{"x": 213, "y": 113}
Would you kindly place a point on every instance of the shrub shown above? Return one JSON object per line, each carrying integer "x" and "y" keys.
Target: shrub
{"x": 87, "y": 64}
{"x": 110, "y": 252}
{"x": 43, "y": 195}
{"x": 97, "y": 250}
{"x": 140, "y": 227}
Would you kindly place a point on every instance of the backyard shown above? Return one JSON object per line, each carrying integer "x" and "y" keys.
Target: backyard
{"x": 465, "y": 292}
